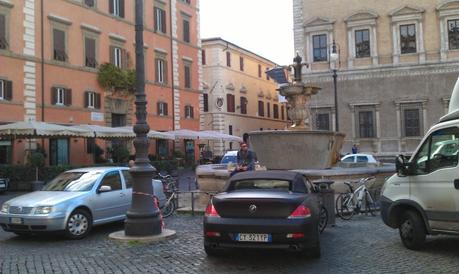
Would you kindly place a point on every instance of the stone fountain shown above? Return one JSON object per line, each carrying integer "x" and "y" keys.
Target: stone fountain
{"x": 298, "y": 147}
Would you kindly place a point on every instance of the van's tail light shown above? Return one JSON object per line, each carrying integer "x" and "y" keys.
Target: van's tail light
{"x": 211, "y": 211}
{"x": 300, "y": 212}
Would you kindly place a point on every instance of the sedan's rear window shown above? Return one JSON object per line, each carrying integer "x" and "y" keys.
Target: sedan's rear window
{"x": 262, "y": 184}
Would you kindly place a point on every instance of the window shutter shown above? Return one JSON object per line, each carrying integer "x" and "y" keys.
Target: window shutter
{"x": 155, "y": 11}
{"x": 191, "y": 112}
{"x": 110, "y": 6}
{"x": 8, "y": 90}
{"x": 97, "y": 101}
{"x": 53, "y": 95}
{"x": 186, "y": 31}
{"x": 2, "y": 27}
{"x": 205, "y": 99}
{"x": 124, "y": 59}
{"x": 228, "y": 102}
{"x": 163, "y": 21}
{"x": 86, "y": 99}
{"x": 157, "y": 70}
{"x": 121, "y": 8}
{"x": 67, "y": 97}
{"x": 165, "y": 109}
{"x": 165, "y": 72}
{"x": 112, "y": 54}
{"x": 158, "y": 112}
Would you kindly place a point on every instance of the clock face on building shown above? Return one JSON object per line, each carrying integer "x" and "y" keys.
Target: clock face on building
{"x": 219, "y": 102}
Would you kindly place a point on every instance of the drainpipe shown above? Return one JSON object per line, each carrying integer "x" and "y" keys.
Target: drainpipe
{"x": 172, "y": 72}
{"x": 42, "y": 63}
{"x": 171, "y": 66}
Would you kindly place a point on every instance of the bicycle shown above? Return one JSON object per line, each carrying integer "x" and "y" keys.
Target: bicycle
{"x": 170, "y": 205}
{"x": 355, "y": 201}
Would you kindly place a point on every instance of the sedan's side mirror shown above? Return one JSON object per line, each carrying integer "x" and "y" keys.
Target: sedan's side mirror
{"x": 104, "y": 189}
{"x": 401, "y": 166}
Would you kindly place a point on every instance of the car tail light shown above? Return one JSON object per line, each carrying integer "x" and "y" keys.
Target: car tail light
{"x": 211, "y": 211}
{"x": 212, "y": 234}
{"x": 295, "y": 235}
{"x": 300, "y": 212}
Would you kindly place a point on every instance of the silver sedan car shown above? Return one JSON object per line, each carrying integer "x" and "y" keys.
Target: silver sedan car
{"x": 73, "y": 202}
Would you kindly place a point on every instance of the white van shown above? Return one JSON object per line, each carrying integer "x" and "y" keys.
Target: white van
{"x": 423, "y": 196}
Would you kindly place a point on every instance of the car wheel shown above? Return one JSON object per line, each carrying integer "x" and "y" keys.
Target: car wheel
{"x": 412, "y": 230}
{"x": 323, "y": 219}
{"x": 78, "y": 224}
{"x": 210, "y": 251}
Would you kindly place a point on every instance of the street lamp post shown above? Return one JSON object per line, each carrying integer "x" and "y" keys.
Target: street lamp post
{"x": 143, "y": 218}
{"x": 334, "y": 58}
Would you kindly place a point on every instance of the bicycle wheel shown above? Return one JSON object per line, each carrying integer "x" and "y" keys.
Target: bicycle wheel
{"x": 168, "y": 209}
{"x": 370, "y": 206}
{"x": 345, "y": 204}
{"x": 323, "y": 221}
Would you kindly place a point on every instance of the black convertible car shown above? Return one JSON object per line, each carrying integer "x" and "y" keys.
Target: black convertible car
{"x": 265, "y": 209}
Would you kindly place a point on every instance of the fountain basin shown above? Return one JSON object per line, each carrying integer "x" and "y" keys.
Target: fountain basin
{"x": 296, "y": 149}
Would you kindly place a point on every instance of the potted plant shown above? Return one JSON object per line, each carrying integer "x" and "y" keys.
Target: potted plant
{"x": 37, "y": 161}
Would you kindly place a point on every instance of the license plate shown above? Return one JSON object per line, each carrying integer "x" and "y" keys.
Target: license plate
{"x": 252, "y": 237}
{"x": 16, "y": 221}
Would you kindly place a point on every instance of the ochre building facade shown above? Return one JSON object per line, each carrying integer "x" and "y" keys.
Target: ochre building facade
{"x": 238, "y": 95}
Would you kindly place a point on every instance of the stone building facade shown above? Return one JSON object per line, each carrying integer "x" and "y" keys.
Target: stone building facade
{"x": 50, "y": 53}
{"x": 398, "y": 62}
{"x": 238, "y": 96}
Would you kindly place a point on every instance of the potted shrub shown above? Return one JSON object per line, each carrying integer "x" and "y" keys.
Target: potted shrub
{"x": 37, "y": 161}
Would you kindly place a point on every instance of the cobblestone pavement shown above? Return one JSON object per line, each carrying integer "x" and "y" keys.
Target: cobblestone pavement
{"x": 362, "y": 245}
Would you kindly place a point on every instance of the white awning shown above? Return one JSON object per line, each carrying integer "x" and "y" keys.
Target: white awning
{"x": 33, "y": 129}
{"x": 224, "y": 137}
{"x": 193, "y": 135}
{"x": 108, "y": 132}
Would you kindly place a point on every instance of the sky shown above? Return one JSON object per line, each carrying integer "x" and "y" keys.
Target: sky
{"x": 264, "y": 27}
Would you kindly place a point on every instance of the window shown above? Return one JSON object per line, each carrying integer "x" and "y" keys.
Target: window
{"x": 244, "y": 103}
{"x": 362, "y": 159}
{"x": 3, "y": 40}
{"x": 259, "y": 71}
{"x": 319, "y": 45}
{"x": 412, "y": 123}
{"x": 118, "y": 120}
{"x": 205, "y": 99}
{"x": 228, "y": 59}
{"x": 160, "y": 20}
{"x": 92, "y": 100}
{"x": 241, "y": 63}
{"x": 186, "y": 31}
{"x": 59, "y": 152}
{"x": 230, "y": 103}
{"x": 162, "y": 148}
{"x": 267, "y": 76}
{"x": 362, "y": 43}
{"x": 90, "y": 3}
{"x": 61, "y": 96}
{"x": 453, "y": 34}
{"x": 439, "y": 151}
{"x": 189, "y": 112}
{"x": 268, "y": 108}
{"x": 203, "y": 57}
{"x": 128, "y": 180}
{"x": 161, "y": 71}
{"x": 6, "y": 90}
{"x": 116, "y": 8}
{"x": 118, "y": 56}
{"x": 322, "y": 121}
{"x": 282, "y": 112}
{"x": 162, "y": 109}
{"x": 90, "y": 52}
{"x": 408, "y": 38}
{"x": 187, "y": 69}
{"x": 59, "y": 45}
{"x": 186, "y": 1}
{"x": 112, "y": 179}
{"x": 276, "y": 111}
{"x": 366, "y": 124}
{"x": 261, "y": 109}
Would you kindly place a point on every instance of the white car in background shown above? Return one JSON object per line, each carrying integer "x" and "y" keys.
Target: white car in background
{"x": 359, "y": 158}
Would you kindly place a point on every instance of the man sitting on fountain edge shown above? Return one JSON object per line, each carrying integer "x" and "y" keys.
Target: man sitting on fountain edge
{"x": 245, "y": 159}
